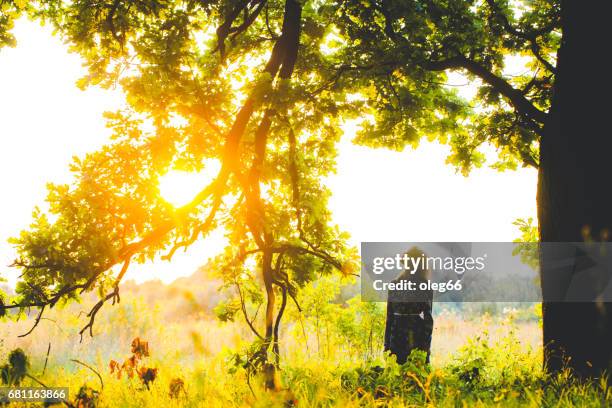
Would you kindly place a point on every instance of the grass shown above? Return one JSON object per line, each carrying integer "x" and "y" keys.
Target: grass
{"x": 479, "y": 361}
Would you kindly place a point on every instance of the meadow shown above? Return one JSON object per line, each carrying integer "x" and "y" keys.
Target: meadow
{"x": 249, "y": 109}
{"x": 482, "y": 355}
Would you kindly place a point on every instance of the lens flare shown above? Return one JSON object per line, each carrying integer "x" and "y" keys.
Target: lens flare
{"x": 179, "y": 187}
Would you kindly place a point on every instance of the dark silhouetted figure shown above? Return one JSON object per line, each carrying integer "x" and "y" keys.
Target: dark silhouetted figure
{"x": 409, "y": 320}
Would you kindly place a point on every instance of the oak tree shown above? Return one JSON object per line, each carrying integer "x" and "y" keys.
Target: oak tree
{"x": 262, "y": 87}
{"x": 240, "y": 83}
{"x": 544, "y": 113}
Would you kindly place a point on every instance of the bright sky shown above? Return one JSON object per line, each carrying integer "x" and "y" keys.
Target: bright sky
{"x": 378, "y": 195}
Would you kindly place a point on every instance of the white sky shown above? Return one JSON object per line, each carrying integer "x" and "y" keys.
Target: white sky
{"x": 378, "y": 195}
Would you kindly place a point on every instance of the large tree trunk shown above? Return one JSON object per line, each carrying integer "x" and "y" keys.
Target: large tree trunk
{"x": 574, "y": 192}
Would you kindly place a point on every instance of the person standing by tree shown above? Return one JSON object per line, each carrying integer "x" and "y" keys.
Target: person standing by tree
{"x": 409, "y": 322}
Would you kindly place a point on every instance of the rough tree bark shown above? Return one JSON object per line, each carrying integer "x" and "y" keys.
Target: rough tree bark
{"x": 574, "y": 197}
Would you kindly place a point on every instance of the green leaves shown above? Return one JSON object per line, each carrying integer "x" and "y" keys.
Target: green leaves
{"x": 386, "y": 62}
{"x": 527, "y": 243}
{"x": 401, "y": 49}
{"x": 9, "y": 12}
{"x": 226, "y": 310}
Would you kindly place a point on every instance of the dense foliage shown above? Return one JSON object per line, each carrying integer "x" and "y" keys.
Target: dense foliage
{"x": 194, "y": 101}
{"x": 261, "y": 87}
{"x": 403, "y": 51}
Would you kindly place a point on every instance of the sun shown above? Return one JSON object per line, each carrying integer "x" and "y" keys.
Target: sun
{"x": 179, "y": 187}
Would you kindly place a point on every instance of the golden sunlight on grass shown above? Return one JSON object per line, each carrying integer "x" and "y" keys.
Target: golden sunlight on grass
{"x": 179, "y": 187}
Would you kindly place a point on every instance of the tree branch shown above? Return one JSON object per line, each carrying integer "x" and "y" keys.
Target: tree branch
{"x": 38, "y": 317}
{"x": 284, "y": 54}
{"x": 244, "y": 312}
{"x": 523, "y": 106}
{"x": 91, "y": 368}
{"x": 224, "y": 29}
{"x": 531, "y": 36}
{"x": 249, "y": 19}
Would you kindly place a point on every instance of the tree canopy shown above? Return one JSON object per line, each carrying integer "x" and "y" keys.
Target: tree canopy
{"x": 9, "y": 12}
{"x": 262, "y": 87}
{"x": 406, "y": 50}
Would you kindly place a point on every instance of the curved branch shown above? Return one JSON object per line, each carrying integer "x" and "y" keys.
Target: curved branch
{"x": 110, "y": 20}
{"x": 94, "y": 311}
{"x": 244, "y": 312}
{"x": 224, "y": 29}
{"x": 273, "y": 35}
{"x": 317, "y": 253}
{"x": 207, "y": 224}
{"x": 40, "y": 313}
{"x": 531, "y": 36}
{"x": 91, "y": 368}
{"x": 535, "y": 50}
{"x": 249, "y": 19}
{"x": 114, "y": 295}
{"x": 523, "y": 106}
{"x": 279, "y": 316}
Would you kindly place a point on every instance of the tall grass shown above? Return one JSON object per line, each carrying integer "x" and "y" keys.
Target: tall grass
{"x": 332, "y": 356}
